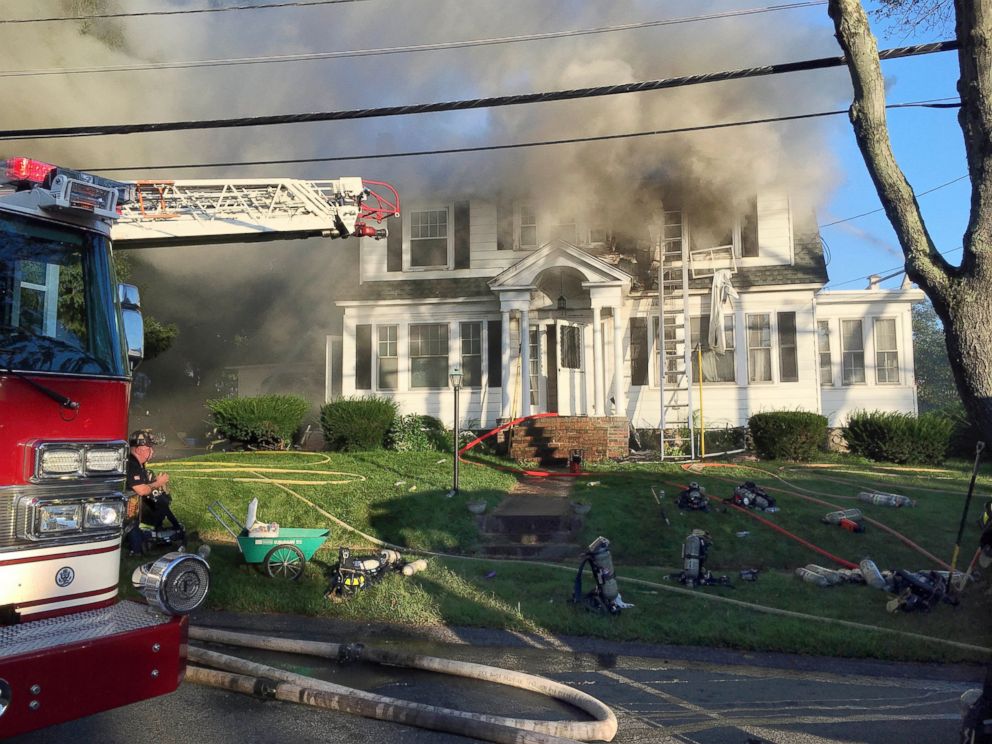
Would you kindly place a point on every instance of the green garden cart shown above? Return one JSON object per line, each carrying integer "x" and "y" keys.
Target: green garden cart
{"x": 281, "y": 551}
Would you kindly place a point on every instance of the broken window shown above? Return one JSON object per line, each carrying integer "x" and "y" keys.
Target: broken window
{"x": 565, "y": 229}
{"x": 716, "y": 367}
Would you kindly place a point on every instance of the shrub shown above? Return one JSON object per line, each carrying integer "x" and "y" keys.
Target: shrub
{"x": 965, "y": 433}
{"x": 355, "y": 424}
{"x": 899, "y": 437}
{"x": 417, "y": 433}
{"x": 260, "y": 422}
{"x": 788, "y": 435}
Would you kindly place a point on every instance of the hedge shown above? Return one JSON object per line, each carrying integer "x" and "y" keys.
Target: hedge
{"x": 788, "y": 435}
{"x": 259, "y": 422}
{"x": 899, "y": 437}
{"x": 418, "y": 433}
{"x": 356, "y": 424}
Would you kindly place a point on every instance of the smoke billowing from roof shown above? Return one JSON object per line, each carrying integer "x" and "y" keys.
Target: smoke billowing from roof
{"x": 704, "y": 171}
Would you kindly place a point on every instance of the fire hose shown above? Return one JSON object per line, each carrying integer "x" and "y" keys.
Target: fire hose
{"x": 249, "y": 677}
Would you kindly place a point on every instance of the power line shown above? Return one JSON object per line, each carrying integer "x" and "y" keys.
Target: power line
{"x": 423, "y": 108}
{"x": 922, "y": 193}
{"x": 316, "y": 56}
{"x": 511, "y": 146}
{"x": 189, "y": 11}
{"x": 896, "y": 269}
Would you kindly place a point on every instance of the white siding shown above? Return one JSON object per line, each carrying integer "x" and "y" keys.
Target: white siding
{"x": 840, "y": 400}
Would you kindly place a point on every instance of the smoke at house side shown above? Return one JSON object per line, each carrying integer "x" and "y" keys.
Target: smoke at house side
{"x": 279, "y": 299}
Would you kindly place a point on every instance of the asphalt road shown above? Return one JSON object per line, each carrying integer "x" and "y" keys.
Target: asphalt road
{"x": 661, "y": 695}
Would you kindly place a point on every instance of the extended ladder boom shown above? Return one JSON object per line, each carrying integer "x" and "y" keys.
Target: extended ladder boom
{"x": 247, "y": 209}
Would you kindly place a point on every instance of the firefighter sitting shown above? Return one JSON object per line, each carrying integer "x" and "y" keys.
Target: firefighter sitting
{"x": 151, "y": 489}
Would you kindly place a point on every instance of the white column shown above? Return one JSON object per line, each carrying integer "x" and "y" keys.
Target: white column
{"x": 597, "y": 363}
{"x": 620, "y": 409}
{"x": 504, "y": 407}
{"x": 524, "y": 362}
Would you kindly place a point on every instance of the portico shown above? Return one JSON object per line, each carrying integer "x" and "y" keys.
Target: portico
{"x": 562, "y": 312}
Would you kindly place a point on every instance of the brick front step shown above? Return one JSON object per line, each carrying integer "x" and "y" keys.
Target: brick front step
{"x": 551, "y": 440}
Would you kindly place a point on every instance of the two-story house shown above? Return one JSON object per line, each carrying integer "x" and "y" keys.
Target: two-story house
{"x": 462, "y": 283}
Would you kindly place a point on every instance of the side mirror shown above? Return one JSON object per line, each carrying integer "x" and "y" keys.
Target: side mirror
{"x": 134, "y": 324}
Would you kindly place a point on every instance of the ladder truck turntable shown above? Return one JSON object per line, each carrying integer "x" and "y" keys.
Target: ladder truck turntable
{"x": 70, "y": 336}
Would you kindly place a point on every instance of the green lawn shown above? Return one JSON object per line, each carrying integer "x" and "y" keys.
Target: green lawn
{"x": 401, "y": 498}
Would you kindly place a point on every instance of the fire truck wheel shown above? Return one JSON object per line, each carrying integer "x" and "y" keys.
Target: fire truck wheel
{"x": 285, "y": 562}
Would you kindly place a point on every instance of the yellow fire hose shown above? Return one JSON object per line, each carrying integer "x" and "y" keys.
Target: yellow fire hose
{"x": 250, "y": 677}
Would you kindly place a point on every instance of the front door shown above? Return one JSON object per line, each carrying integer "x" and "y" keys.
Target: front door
{"x": 571, "y": 376}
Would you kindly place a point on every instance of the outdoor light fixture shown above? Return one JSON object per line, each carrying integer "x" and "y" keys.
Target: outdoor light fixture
{"x": 455, "y": 376}
{"x": 561, "y": 289}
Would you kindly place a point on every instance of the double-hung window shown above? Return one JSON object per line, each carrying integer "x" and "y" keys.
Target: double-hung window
{"x": 852, "y": 343}
{"x": 759, "y": 348}
{"x": 716, "y": 367}
{"x": 471, "y": 355}
{"x": 527, "y": 227}
{"x": 430, "y": 231}
{"x": 388, "y": 358}
{"x": 826, "y": 360}
{"x": 886, "y": 352}
{"x": 429, "y": 355}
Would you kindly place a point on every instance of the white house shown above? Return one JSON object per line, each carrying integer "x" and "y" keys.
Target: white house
{"x": 457, "y": 281}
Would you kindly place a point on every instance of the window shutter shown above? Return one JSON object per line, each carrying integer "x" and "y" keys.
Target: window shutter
{"x": 494, "y": 346}
{"x": 504, "y": 225}
{"x": 363, "y": 357}
{"x": 463, "y": 228}
{"x": 394, "y": 244}
{"x": 639, "y": 351}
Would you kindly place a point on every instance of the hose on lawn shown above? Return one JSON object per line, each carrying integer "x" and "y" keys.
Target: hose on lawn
{"x": 796, "y": 491}
{"x": 299, "y": 688}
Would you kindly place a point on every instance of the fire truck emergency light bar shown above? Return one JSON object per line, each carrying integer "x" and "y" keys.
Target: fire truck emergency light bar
{"x": 67, "y": 189}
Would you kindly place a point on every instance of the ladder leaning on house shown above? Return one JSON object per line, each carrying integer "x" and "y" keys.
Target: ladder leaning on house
{"x": 673, "y": 342}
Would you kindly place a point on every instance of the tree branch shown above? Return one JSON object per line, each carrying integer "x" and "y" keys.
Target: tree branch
{"x": 923, "y": 263}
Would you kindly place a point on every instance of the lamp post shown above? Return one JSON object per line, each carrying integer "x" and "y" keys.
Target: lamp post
{"x": 455, "y": 377}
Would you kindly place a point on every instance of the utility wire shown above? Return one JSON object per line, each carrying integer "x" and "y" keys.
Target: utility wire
{"x": 922, "y": 193}
{"x": 897, "y": 269}
{"x": 512, "y": 146}
{"x": 188, "y": 11}
{"x": 315, "y": 56}
{"x": 99, "y": 130}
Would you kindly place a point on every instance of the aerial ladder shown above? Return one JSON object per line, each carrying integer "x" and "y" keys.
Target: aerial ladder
{"x": 204, "y": 211}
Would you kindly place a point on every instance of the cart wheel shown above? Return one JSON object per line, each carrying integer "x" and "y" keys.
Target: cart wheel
{"x": 285, "y": 562}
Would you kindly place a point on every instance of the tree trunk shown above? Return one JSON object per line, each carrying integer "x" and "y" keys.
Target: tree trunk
{"x": 962, "y": 296}
{"x": 967, "y": 319}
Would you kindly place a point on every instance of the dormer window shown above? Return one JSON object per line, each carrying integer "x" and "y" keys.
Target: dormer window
{"x": 430, "y": 238}
{"x": 527, "y": 227}
{"x": 721, "y": 229}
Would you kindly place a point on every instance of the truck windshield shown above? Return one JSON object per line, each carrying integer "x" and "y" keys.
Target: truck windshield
{"x": 57, "y": 310}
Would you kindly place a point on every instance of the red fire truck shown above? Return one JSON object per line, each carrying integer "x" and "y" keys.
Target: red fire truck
{"x": 70, "y": 336}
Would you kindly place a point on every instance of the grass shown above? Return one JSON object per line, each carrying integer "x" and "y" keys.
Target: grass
{"x": 401, "y": 498}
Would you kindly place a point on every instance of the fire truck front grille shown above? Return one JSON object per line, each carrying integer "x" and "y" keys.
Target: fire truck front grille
{"x": 12, "y": 533}
{"x": 37, "y": 635}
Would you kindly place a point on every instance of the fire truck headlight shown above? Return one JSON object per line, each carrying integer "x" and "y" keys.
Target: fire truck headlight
{"x": 103, "y": 515}
{"x": 60, "y": 461}
{"x": 57, "y": 518}
{"x": 176, "y": 584}
{"x": 106, "y": 460}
